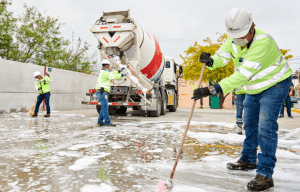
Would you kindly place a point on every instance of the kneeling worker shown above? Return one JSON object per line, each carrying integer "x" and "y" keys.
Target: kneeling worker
{"x": 265, "y": 76}
{"x": 42, "y": 86}
{"x": 103, "y": 89}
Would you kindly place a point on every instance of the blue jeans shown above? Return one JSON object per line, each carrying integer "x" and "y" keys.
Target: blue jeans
{"x": 40, "y": 99}
{"x": 288, "y": 106}
{"x": 103, "y": 99}
{"x": 260, "y": 124}
{"x": 239, "y": 108}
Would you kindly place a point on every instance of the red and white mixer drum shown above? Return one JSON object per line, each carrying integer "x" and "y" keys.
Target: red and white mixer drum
{"x": 152, "y": 59}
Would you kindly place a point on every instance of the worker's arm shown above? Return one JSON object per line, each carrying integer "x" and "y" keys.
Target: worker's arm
{"x": 36, "y": 87}
{"x": 260, "y": 54}
{"x": 292, "y": 89}
{"x": 222, "y": 55}
{"x": 113, "y": 75}
{"x": 48, "y": 77}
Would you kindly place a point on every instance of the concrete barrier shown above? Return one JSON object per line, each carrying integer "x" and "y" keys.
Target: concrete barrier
{"x": 17, "y": 89}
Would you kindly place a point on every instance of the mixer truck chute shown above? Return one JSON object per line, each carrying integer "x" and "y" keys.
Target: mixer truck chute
{"x": 151, "y": 85}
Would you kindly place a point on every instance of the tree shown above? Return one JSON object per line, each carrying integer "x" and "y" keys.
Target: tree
{"x": 78, "y": 60}
{"x": 7, "y": 29}
{"x": 192, "y": 66}
{"x": 37, "y": 37}
{"x": 39, "y": 42}
{"x": 284, "y": 52}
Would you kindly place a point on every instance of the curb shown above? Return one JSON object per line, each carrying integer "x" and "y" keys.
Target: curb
{"x": 295, "y": 110}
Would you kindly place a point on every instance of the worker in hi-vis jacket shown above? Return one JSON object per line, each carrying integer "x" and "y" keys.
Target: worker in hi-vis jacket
{"x": 43, "y": 88}
{"x": 103, "y": 89}
{"x": 264, "y": 74}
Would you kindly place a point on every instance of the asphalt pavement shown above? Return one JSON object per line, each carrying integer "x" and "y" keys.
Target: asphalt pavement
{"x": 69, "y": 153}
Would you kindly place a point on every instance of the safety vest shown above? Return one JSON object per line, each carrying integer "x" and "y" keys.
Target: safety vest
{"x": 104, "y": 79}
{"x": 261, "y": 66}
{"x": 42, "y": 86}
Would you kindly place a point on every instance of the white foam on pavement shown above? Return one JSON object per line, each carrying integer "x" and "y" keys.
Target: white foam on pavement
{"x": 98, "y": 188}
{"x": 85, "y": 162}
{"x": 80, "y": 146}
{"x": 155, "y": 150}
{"x": 209, "y": 137}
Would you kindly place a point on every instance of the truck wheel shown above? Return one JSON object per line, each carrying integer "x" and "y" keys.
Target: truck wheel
{"x": 112, "y": 110}
{"x": 164, "y": 104}
{"x": 173, "y": 108}
{"x": 145, "y": 113}
{"x": 122, "y": 110}
{"x": 157, "y": 112}
{"x": 98, "y": 107}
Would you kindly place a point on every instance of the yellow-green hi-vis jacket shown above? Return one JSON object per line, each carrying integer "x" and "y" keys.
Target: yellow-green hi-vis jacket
{"x": 104, "y": 78}
{"x": 262, "y": 67}
{"x": 42, "y": 86}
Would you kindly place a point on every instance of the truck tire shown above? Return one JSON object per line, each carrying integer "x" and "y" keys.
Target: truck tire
{"x": 164, "y": 104}
{"x": 173, "y": 108}
{"x": 98, "y": 107}
{"x": 122, "y": 110}
{"x": 157, "y": 112}
{"x": 112, "y": 110}
{"x": 145, "y": 113}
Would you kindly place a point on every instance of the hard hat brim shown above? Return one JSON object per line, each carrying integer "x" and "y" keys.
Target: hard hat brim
{"x": 239, "y": 34}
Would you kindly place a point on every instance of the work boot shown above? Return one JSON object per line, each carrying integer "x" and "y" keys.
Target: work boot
{"x": 48, "y": 115}
{"x": 260, "y": 183}
{"x": 100, "y": 125}
{"x": 291, "y": 117}
{"x": 110, "y": 125}
{"x": 240, "y": 165}
{"x": 240, "y": 129}
{"x": 280, "y": 116}
{"x": 34, "y": 115}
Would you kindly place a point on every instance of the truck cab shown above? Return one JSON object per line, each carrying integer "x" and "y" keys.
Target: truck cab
{"x": 170, "y": 72}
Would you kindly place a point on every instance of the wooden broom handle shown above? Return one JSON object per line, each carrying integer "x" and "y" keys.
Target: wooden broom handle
{"x": 188, "y": 124}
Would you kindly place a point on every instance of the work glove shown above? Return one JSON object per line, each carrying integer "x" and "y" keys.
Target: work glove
{"x": 200, "y": 93}
{"x": 47, "y": 74}
{"x": 102, "y": 90}
{"x": 124, "y": 74}
{"x": 120, "y": 70}
{"x": 205, "y": 58}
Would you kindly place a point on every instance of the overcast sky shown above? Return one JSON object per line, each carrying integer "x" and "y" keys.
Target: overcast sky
{"x": 177, "y": 24}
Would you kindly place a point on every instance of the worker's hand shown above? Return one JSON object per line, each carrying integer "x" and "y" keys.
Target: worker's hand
{"x": 200, "y": 93}
{"x": 205, "y": 58}
{"x": 47, "y": 74}
{"x": 124, "y": 74}
{"x": 120, "y": 70}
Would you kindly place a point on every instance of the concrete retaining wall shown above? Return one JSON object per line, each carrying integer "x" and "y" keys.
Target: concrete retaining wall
{"x": 17, "y": 89}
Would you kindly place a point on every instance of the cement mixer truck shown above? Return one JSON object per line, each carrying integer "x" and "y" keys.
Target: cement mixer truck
{"x": 151, "y": 84}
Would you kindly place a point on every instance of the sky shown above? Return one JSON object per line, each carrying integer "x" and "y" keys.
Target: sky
{"x": 176, "y": 24}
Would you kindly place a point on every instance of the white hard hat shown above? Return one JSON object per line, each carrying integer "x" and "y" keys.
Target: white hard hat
{"x": 37, "y": 73}
{"x": 238, "y": 22}
{"x": 105, "y": 62}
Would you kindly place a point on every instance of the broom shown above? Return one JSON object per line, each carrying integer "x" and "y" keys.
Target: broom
{"x": 166, "y": 186}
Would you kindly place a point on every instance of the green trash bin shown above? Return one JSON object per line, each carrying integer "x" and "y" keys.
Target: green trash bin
{"x": 215, "y": 103}
{"x": 292, "y": 104}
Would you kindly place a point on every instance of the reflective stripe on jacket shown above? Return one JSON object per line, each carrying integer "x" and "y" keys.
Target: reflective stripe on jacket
{"x": 42, "y": 86}
{"x": 263, "y": 64}
{"x": 104, "y": 78}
